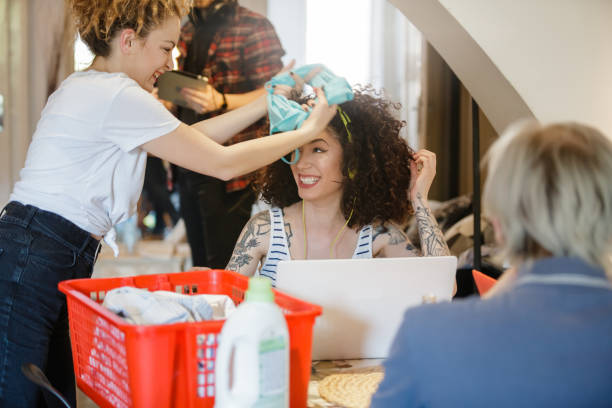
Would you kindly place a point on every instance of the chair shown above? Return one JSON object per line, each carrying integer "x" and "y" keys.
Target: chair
{"x": 483, "y": 282}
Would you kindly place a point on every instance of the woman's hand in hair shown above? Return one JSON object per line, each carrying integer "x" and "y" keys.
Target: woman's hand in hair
{"x": 281, "y": 89}
{"x": 298, "y": 88}
{"x": 295, "y": 92}
{"x": 320, "y": 116}
{"x": 422, "y": 171}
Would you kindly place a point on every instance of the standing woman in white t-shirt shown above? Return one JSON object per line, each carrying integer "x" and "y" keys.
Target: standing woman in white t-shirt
{"x": 84, "y": 173}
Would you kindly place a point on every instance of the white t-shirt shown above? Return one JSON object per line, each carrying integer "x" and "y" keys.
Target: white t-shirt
{"x": 85, "y": 161}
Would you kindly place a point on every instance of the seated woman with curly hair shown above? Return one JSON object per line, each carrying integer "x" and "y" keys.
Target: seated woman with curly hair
{"x": 344, "y": 196}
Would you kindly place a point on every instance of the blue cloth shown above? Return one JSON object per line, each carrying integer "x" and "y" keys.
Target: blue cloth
{"x": 537, "y": 345}
{"x": 38, "y": 249}
{"x": 288, "y": 115}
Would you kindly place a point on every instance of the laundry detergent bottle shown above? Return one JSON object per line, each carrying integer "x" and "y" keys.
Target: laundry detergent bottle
{"x": 252, "y": 364}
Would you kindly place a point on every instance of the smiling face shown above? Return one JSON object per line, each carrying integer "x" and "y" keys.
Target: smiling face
{"x": 318, "y": 172}
{"x": 152, "y": 55}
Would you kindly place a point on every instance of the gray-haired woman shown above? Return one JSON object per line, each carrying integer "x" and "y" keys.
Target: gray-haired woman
{"x": 545, "y": 338}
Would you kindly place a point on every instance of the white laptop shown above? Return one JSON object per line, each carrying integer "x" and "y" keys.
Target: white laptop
{"x": 364, "y": 300}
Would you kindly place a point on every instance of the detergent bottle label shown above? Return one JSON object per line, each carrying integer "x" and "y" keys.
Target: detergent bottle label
{"x": 273, "y": 365}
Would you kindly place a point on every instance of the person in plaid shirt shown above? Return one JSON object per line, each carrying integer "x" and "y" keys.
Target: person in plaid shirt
{"x": 238, "y": 51}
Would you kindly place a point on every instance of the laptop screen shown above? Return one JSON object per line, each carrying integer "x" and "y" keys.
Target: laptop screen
{"x": 364, "y": 300}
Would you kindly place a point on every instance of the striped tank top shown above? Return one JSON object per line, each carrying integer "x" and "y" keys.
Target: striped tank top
{"x": 279, "y": 249}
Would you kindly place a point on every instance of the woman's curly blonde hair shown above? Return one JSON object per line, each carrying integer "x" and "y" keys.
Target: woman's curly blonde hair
{"x": 97, "y": 21}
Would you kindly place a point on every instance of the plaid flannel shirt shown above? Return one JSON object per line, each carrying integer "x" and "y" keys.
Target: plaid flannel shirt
{"x": 242, "y": 57}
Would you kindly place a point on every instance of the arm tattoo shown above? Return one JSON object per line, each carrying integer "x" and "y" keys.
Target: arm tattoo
{"x": 258, "y": 226}
{"x": 432, "y": 240}
{"x": 379, "y": 230}
{"x": 395, "y": 236}
{"x": 288, "y": 233}
{"x": 412, "y": 249}
{"x": 288, "y": 230}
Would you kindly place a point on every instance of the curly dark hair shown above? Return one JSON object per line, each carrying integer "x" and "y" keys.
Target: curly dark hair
{"x": 97, "y": 21}
{"x": 375, "y": 165}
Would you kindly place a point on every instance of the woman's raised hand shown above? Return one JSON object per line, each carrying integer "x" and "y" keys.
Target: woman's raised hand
{"x": 321, "y": 114}
{"x": 295, "y": 92}
{"x": 284, "y": 90}
{"x": 422, "y": 173}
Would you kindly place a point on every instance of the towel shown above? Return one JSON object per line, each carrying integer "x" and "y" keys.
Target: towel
{"x": 287, "y": 115}
{"x": 139, "y": 306}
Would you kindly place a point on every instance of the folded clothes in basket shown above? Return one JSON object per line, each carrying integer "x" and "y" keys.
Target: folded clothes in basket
{"x": 139, "y": 306}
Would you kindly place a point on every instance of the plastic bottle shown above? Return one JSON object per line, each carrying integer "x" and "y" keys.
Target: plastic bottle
{"x": 252, "y": 364}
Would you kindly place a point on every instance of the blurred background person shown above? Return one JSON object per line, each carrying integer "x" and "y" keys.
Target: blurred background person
{"x": 156, "y": 190}
{"x": 238, "y": 51}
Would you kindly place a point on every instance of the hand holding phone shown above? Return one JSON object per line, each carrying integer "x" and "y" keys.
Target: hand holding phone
{"x": 171, "y": 83}
{"x": 209, "y": 100}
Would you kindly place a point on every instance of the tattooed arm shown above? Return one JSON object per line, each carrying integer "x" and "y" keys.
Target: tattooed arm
{"x": 252, "y": 245}
{"x": 389, "y": 241}
{"x": 423, "y": 171}
{"x": 432, "y": 239}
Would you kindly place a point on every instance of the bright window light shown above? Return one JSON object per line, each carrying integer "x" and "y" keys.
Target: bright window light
{"x": 338, "y": 35}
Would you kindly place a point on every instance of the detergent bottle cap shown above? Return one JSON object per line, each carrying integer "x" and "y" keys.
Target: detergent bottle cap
{"x": 260, "y": 290}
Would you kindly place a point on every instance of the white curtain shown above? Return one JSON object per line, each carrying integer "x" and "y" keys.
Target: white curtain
{"x": 396, "y": 62}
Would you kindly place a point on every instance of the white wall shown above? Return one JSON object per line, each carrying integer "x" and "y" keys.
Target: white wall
{"x": 258, "y": 6}
{"x": 551, "y": 56}
{"x": 495, "y": 95}
{"x": 289, "y": 20}
{"x": 556, "y": 53}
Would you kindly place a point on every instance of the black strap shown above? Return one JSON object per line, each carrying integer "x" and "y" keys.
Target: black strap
{"x": 476, "y": 181}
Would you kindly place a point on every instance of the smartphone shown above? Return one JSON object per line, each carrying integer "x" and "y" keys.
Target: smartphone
{"x": 170, "y": 84}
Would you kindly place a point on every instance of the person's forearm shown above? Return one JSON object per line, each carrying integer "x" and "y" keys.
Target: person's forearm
{"x": 188, "y": 148}
{"x": 235, "y": 101}
{"x": 191, "y": 149}
{"x": 223, "y": 127}
{"x": 248, "y": 156}
{"x": 432, "y": 239}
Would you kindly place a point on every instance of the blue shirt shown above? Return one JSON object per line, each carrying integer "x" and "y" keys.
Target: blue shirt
{"x": 541, "y": 344}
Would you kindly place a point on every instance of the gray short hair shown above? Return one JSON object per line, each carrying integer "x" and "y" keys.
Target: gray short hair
{"x": 550, "y": 188}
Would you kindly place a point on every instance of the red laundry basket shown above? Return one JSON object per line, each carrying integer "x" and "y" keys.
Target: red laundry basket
{"x": 118, "y": 364}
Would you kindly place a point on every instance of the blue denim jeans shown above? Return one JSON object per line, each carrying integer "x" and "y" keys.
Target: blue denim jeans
{"x": 38, "y": 249}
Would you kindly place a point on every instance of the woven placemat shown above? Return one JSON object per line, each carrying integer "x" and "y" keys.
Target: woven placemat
{"x": 352, "y": 389}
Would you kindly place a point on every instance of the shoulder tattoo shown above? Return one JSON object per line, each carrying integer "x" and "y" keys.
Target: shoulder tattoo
{"x": 255, "y": 228}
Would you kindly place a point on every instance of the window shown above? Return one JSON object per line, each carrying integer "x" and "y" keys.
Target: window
{"x": 338, "y": 35}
